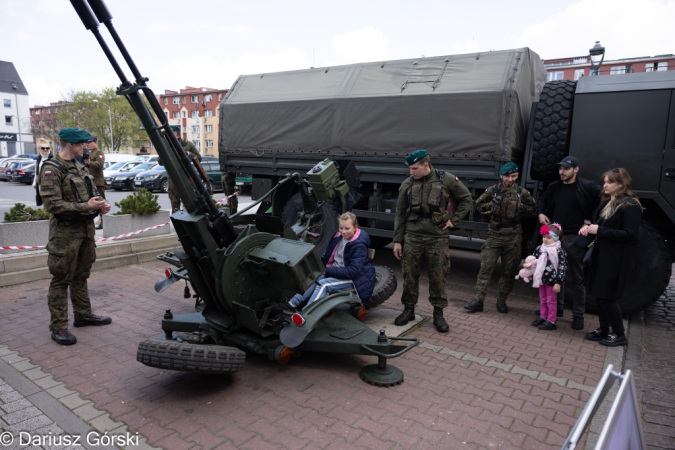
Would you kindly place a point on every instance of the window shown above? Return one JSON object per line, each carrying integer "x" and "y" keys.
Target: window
{"x": 553, "y": 76}
{"x": 184, "y": 99}
{"x": 176, "y": 100}
{"x": 194, "y": 99}
{"x": 220, "y": 96}
{"x": 8, "y": 120}
{"x": 660, "y": 66}
{"x": 197, "y": 144}
{"x": 175, "y": 115}
{"x": 7, "y": 102}
{"x": 616, "y": 70}
{"x": 49, "y": 110}
{"x": 209, "y": 143}
{"x": 195, "y": 129}
{"x": 209, "y": 129}
{"x": 195, "y": 114}
{"x": 207, "y": 97}
{"x": 578, "y": 73}
{"x": 166, "y": 100}
{"x": 37, "y": 112}
{"x": 184, "y": 113}
{"x": 208, "y": 113}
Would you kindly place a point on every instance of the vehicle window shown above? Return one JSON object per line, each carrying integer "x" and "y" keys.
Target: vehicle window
{"x": 116, "y": 165}
{"x": 145, "y": 166}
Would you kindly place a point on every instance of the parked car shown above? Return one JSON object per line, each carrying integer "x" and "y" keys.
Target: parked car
{"x": 16, "y": 166}
{"x": 120, "y": 167}
{"x": 27, "y": 155}
{"x": 153, "y": 180}
{"x": 114, "y": 158}
{"x": 24, "y": 174}
{"x": 147, "y": 158}
{"x": 3, "y": 166}
{"x": 125, "y": 180}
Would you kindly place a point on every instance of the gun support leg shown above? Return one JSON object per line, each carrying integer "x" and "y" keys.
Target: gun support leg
{"x": 381, "y": 374}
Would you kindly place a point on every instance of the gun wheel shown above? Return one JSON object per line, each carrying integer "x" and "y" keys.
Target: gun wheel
{"x": 174, "y": 355}
{"x": 382, "y": 376}
{"x": 385, "y": 286}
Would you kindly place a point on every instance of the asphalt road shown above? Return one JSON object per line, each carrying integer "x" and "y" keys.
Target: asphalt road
{"x": 12, "y": 193}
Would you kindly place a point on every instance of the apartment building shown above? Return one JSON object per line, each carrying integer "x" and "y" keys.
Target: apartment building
{"x": 15, "y": 127}
{"x": 575, "y": 67}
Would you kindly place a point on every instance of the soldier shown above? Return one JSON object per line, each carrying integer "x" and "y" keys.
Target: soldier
{"x": 70, "y": 196}
{"x": 95, "y": 164}
{"x": 188, "y": 147}
{"x": 230, "y": 188}
{"x": 421, "y": 232}
{"x": 507, "y": 204}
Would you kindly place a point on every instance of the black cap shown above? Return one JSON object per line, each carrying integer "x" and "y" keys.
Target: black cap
{"x": 569, "y": 161}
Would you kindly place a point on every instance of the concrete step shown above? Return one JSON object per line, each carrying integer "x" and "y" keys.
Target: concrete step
{"x": 22, "y": 268}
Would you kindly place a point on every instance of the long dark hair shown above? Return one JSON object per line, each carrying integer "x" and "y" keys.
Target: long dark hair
{"x": 623, "y": 179}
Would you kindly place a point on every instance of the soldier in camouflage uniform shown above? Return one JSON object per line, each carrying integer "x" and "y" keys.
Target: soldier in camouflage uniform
{"x": 229, "y": 185}
{"x": 421, "y": 232}
{"x": 95, "y": 165}
{"x": 70, "y": 196}
{"x": 507, "y": 204}
{"x": 189, "y": 148}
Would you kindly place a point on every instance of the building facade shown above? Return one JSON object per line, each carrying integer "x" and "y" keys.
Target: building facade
{"x": 575, "y": 67}
{"x": 196, "y": 111}
{"x": 15, "y": 126}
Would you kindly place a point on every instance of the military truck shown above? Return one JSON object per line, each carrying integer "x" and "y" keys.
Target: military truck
{"x": 473, "y": 113}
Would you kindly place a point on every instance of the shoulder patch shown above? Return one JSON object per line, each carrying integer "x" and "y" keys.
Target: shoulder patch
{"x": 457, "y": 179}
{"x": 48, "y": 172}
{"x": 100, "y": 156}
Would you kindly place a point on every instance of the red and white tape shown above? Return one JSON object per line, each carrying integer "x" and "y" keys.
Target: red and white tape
{"x": 220, "y": 202}
{"x": 112, "y": 238}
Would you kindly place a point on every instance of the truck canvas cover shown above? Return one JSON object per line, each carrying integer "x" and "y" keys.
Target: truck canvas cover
{"x": 473, "y": 107}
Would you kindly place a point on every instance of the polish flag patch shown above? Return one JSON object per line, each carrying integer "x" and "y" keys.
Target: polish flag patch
{"x": 48, "y": 172}
{"x": 100, "y": 156}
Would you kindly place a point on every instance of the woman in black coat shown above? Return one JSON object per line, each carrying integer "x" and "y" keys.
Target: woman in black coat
{"x": 616, "y": 223}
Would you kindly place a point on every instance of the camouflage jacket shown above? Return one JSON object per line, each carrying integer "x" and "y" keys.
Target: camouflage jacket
{"x": 95, "y": 168}
{"x": 189, "y": 147}
{"x": 421, "y": 221}
{"x": 506, "y": 207}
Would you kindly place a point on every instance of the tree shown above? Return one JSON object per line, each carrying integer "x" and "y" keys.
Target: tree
{"x": 83, "y": 112}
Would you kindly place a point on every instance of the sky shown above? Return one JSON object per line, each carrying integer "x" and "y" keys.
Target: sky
{"x": 208, "y": 43}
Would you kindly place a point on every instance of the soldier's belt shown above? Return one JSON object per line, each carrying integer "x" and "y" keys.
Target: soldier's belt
{"x": 494, "y": 225}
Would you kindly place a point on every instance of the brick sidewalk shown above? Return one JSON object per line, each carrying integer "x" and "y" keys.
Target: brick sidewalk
{"x": 492, "y": 382}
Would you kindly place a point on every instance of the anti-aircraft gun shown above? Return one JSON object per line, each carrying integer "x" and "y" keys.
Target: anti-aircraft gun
{"x": 243, "y": 275}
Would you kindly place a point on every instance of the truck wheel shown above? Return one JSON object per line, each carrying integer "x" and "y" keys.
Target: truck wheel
{"x": 653, "y": 268}
{"x": 326, "y": 227}
{"x": 164, "y": 187}
{"x": 385, "y": 286}
{"x": 379, "y": 241}
{"x": 550, "y": 137}
{"x": 174, "y": 355}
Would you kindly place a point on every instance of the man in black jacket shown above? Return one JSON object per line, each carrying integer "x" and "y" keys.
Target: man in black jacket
{"x": 570, "y": 202}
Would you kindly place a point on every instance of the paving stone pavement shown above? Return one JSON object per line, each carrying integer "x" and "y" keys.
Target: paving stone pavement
{"x": 493, "y": 381}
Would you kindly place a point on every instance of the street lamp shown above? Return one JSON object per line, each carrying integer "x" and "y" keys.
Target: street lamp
{"x": 597, "y": 57}
{"x": 112, "y": 145}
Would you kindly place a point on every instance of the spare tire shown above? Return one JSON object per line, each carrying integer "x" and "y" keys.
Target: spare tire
{"x": 326, "y": 226}
{"x": 550, "y": 137}
{"x": 385, "y": 286}
{"x": 648, "y": 282}
{"x": 174, "y": 355}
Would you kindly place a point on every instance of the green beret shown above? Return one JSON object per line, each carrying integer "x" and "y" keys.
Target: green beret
{"x": 74, "y": 135}
{"x": 415, "y": 156}
{"x": 175, "y": 128}
{"x": 508, "y": 169}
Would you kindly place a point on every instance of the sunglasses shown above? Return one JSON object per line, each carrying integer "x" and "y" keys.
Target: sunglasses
{"x": 45, "y": 148}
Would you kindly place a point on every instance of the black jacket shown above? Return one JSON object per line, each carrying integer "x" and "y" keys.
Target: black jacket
{"x": 614, "y": 252}
{"x": 588, "y": 195}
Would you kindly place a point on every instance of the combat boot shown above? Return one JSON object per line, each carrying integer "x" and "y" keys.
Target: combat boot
{"x": 406, "y": 316}
{"x": 474, "y": 305}
{"x": 64, "y": 337}
{"x": 439, "y": 321}
{"x": 92, "y": 320}
{"x": 501, "y": 305}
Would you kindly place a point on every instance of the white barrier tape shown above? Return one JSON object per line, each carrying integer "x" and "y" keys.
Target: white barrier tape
{"x": 133, "y": 233}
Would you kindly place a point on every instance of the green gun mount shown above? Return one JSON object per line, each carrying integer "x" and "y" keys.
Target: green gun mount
{"x": 243, "y": 269}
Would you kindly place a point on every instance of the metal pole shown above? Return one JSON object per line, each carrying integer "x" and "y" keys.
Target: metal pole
{"x": 112, "y": 144}
{"x": 16, "y": 101}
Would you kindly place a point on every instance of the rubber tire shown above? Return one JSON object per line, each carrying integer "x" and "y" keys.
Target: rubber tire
{"x": 164, "y": 186}
{"x": 385, "y": 286}
{"x": 550, "y": 137}
{"x": 174, "y": 355}
{"x": 653, "y": 269}
{"x": 327, "y": 230}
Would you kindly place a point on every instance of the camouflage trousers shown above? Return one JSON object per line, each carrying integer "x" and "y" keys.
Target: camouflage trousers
{"x": 229, "y": 186}
{"x": 174, "y": 198}
{"x": 508, "y": 247}
{"x": 432, "y": 252}
{"x": 69, "y": 262}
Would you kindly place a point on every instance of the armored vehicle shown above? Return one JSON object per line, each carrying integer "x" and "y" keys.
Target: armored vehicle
{"x": 244, "y": 270}
{"x": 473, "y": 113}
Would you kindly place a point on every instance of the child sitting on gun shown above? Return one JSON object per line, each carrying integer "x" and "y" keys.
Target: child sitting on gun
{"x": 347, "y": 265}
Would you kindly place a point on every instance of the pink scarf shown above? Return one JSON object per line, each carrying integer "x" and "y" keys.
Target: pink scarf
{"x": 548, "y": 253}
